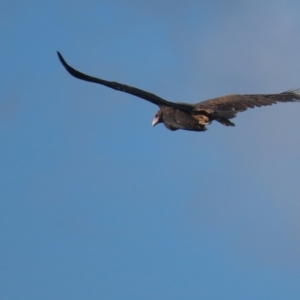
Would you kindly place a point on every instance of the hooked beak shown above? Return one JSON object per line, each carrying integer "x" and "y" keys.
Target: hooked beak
{"x": 155, "y": 121}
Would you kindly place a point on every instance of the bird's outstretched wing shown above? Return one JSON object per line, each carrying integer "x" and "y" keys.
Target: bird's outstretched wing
{"x": 125, "y": 88}
{"x": 239, "y": 103}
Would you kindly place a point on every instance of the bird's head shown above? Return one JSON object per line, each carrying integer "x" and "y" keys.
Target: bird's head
{"x": 157, "y": 118}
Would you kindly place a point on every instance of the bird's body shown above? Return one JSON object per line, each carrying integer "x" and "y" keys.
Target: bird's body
{"x": 194, "y": 117}
{"x": 175, "y": 119}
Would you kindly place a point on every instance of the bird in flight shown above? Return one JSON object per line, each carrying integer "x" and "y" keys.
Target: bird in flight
{"x": 193, "y": 117}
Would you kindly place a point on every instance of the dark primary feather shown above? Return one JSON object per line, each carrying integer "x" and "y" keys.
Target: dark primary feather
{"x": 124, "y": 88}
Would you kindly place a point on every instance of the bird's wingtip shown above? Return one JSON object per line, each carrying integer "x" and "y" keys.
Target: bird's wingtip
{"x": 62, "y": 60}
{"x": 59, "y": 55}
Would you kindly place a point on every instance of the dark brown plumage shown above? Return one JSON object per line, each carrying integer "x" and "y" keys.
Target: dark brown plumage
{"x": 194, "y": 117}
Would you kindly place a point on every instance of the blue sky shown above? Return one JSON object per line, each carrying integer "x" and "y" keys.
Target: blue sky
{"x": 97, "y": 204}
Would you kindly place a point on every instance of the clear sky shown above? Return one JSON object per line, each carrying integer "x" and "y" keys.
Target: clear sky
{"x": 97, "y": 204}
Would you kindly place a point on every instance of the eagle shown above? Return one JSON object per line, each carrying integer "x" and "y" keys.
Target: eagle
{"x": 193, "y": 117}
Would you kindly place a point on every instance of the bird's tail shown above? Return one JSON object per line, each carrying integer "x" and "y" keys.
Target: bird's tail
{"x": 224, "y": 116}
{"x": 225, "y": 122}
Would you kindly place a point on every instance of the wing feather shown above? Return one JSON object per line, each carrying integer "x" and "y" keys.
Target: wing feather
{"x": 239, "y": 103}
{"x": 125, "y": 88}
